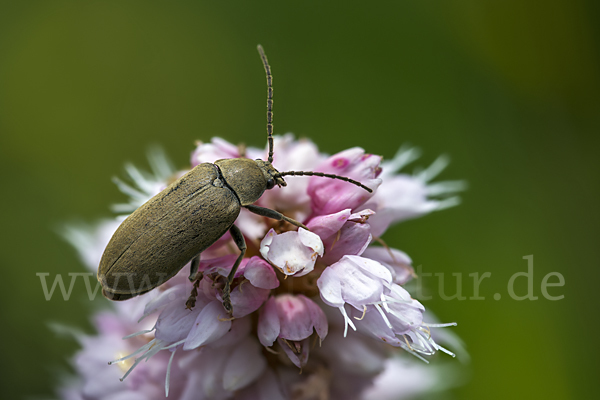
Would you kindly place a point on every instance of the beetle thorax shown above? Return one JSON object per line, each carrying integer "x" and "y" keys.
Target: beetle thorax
{"x": 247, "y": 178}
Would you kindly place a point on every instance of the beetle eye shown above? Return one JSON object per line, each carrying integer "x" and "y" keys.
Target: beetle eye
{"x": 270, "y": 183}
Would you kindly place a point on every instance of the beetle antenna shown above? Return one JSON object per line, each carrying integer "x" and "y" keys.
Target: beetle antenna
{"x": 269, "y": 101}
{"x": 331, "y": 176}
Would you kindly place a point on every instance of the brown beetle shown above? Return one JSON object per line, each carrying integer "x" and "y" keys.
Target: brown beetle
{"x": 179, "y": 223}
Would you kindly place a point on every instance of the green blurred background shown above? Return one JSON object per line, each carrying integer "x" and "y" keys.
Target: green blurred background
{"x": 510, "y": 90}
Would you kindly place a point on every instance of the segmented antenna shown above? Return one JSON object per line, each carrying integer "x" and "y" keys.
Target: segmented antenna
{"x": 311, "y": 173}
{"x": 269, "y": 101}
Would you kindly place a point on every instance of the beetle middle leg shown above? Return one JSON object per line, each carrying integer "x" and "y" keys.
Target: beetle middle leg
{"x": 267, "y": 212}
{"x": 194, "y": 268}
{"x": 239, "y": 241}
{"x": 195, "y": 278}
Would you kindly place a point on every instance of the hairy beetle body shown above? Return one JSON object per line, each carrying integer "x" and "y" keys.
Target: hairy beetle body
{"x": 165, "y": 233}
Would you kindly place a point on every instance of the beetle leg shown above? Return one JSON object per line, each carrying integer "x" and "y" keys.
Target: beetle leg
{"x": 195, "y": 278}
{"x": 238, "y": 238}
{"x": 194, "y": 268}
{"x": 242, "y": 150}
{"x": 267, "y": 212}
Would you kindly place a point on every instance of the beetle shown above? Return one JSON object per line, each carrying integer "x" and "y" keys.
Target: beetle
{"x": 159, "y": 238}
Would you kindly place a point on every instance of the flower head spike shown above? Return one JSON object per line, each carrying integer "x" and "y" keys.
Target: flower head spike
{"x": 293, "y": 289}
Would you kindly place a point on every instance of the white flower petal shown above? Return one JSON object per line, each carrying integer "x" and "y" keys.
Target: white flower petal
{"x": 288, "y": 253}
{"x": 208, "y": 327}
{"x": 245, "y": 364}
{"x": 268, "y": 324}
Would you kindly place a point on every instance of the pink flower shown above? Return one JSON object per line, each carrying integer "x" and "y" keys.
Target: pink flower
{"x": 293, "y": 253}
{"x": 352, "y": 163}
{"x": 351, "y": 239}
{"x": 355, "y": 281}
{"x": 294, "y": 295}
{"x": 217, "y": 149}
{"x": 291, "y": 155}
{"x": 396, "y": 261}
{"x": 290, "y": 320}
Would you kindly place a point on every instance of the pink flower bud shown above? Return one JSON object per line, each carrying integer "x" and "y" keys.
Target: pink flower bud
{"x": 330, "y": 196}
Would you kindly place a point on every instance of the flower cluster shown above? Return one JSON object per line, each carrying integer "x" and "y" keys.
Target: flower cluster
{"x": 317, "y": 313}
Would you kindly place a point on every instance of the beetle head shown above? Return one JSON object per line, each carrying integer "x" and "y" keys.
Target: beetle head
{"x": 271, "y": 174}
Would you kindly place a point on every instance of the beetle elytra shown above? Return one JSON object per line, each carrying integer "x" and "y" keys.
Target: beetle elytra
{"x": 192, "y": 213}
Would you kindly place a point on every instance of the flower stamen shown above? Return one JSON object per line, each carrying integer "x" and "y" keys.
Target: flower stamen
{"x": 168, "y": 377}
{"x": 337, "y": 237}
{"x": 363, "y": 314}
{"x": 408, "y": 344}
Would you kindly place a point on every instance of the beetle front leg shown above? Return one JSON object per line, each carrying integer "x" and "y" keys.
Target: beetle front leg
{"x": 267, "y": 212}
{"x": 239, "y": 241}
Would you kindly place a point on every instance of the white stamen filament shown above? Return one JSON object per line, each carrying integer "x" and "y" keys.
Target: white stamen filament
{"x": 404, "y": 156}
{"x": 440, "y": 325}
{"x": 137, "y": 333}
{"x": 448, "y": 203}
{"x": 403, "y": 345}
{"x": 385, "y": 318}
{"x": 160, "y": 164}
{"x": 347, "y": 321}
{"x": 128, "y": 190}
{"x": 140, "y": 180}
{"x": 168, "y": 377}
{"x": 434, "y": 169}
{"x": 143, "y": 348}
{"x": 427, "y": 343}
{"x": 445, "y": 187}
{"x": 384, "y": 303}
{"x": 137, "y": 361}
{"x": 363, "y": 314}
{"x": 174, "y": 345}
{"x": 444, "y": 350}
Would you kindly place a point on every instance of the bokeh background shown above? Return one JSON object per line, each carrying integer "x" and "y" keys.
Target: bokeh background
{"x": 510, "y": 90}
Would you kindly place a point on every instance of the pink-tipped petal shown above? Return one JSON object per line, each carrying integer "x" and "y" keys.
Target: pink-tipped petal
{"x": 353, "y": 239}
{"x": 268, "y": 323}
{"x": 330, "y": 196}
{"x": 294, "y": 316}
{"x": 217, "y": 149}
{"x": 328, "y": 225}
{"x": 317, "y": 316}
{"x": 221, "y": 265}
{"x": 261, "y": 274}
{"x": 247, "y": 298}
